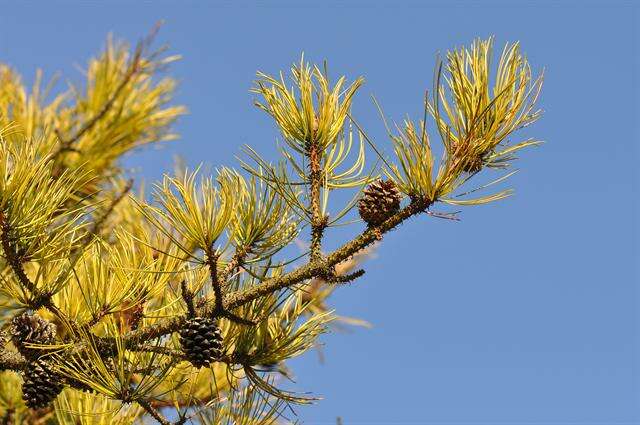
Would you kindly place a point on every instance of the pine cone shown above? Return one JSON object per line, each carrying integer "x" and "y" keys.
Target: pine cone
{"x": 41, "y": 385}
{"x": 201, "y": 341}
{"x": 31, "y": 329}
{"x": 380, "y": 200}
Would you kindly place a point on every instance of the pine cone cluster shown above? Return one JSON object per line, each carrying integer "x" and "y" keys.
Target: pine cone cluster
{"x": 201, "y": 341}
{"x": 31, "y": 329}
{"x": 380, "y": 200}
{"x": 41, "y": 385}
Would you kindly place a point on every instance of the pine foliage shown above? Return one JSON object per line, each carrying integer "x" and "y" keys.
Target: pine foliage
{"x": 118, "y": 306}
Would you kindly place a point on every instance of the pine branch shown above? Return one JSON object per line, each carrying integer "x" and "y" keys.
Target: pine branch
{"x": 313, "y": 269}
{"x": 318, "y": 222}
{"x": 134, "y": 68}
{"x": 40, "y": 299}
{"x": 307, "y": 271}
{"x": 212, "y": 262}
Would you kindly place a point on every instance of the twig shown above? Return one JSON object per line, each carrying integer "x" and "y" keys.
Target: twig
{"x": 318, "y": 222}
{"x": 187, "y": 296}
{"x": 192, "y": 402}
{"x": 236, "y": 261}
{"x": 97, "y": 224}
{"x": 39, "y": 299}
{"x": 12, "y": 256}
{"x": 104, "y": 311}
{"x": 154, "y": 412}
{"x": 7, "y": 417}
{"x": 133, "y": 69}
{"x": 212, "y": 262}
{"x": 165, "y": 351}
{"x": 346, "y": 278}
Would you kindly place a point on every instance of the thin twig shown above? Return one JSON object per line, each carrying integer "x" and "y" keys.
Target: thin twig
{"x": 39, "y": 299}
{"x": 154, "y": 412}
{"x": 133, "y": 69}
{"x": 236, "y": 261}
{"x": 212, "y": 263}
{"x": 165, "y": 351}
{"x": 318, "y": 222}
{"x": 96, "y": 227}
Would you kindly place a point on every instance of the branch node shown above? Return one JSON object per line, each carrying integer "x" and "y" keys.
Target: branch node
{"x": 187, "y": 296}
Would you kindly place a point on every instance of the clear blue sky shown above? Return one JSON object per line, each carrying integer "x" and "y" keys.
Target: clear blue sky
{"x": 526, "y": 311}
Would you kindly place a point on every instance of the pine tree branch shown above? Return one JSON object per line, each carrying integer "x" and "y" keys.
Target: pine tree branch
{"x": 313, "y": 269}
{"x": 307, "y": 271}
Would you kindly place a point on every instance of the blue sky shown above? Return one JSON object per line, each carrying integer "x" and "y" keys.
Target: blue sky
{"x": 526, "y": 311}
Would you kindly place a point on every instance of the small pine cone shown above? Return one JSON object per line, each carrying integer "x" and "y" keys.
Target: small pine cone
{"x": 201, "y": 341}
{"x": 380, "y": 200}
{"x": 41, "y": 385}
{"x": 31, "y": 329}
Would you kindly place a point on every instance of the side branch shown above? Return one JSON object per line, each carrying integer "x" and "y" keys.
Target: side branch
{"x": 236, "y": 261}
{"x": 40, "y": 299}
{"x": 134, "y": 68}
{"x": 12, "y": 256}
{"x": 318, "y": 222}
{"x": 318, "y": 268}
{"x": 212, "y": 263}
{"x": 98, "y": 223}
